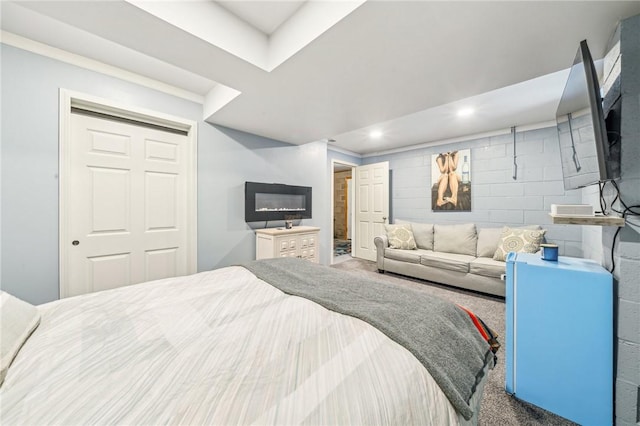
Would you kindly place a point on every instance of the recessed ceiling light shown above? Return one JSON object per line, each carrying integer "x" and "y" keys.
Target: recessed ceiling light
{"x": 375, "y": 134}
{"x": 465, "y": 112}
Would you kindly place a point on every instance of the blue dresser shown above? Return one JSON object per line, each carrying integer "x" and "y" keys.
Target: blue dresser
{"x": 559, "y": 342}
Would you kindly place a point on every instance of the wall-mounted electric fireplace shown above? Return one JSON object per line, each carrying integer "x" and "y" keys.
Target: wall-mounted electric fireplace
{"x": 276, "y": 201}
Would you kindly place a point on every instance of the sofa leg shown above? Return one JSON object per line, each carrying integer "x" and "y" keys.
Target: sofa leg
{"x": 381, "y": 271}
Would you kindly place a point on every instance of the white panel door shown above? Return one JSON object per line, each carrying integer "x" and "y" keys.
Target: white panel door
{"x": 372, "y": 207}
{"x": 127, "y": 206}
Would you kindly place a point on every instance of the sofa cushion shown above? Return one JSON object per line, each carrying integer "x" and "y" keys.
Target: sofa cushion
{"x": 519, "y": 241}
{"x": 488, "y": 239}
{"x": 458, "y": 239}
{"x": 487, "y": 267}
{"x": 409, "y": 256}
{"x": 450, "y": 261}
{"x": 423, "y": 234}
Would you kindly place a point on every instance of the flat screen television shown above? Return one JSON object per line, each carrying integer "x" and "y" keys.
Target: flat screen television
{"x": 276, "y": 201}
{"x": 584, "y": 146}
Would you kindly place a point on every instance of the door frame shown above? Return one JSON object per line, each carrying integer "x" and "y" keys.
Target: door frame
{"x": 333, "y": 168}
{"x": 69, "y": 99}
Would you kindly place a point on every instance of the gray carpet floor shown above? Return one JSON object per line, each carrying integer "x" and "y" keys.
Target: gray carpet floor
{"x": 497, "y": 407}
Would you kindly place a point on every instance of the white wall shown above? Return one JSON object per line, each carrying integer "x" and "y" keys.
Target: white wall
{"x": 29, "y": 167}
{"x": 225, "y": 162}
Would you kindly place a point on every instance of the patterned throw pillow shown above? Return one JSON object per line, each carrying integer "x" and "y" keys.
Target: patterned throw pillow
{"x": 519, "y": 241}
{"x": 400, "y": 236}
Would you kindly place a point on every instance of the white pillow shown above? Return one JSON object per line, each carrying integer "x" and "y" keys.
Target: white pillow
{"x": 400, "y": 236}
{"x": 18, "y": 319}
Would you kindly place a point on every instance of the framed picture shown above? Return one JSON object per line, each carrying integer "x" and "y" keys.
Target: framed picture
{"x": 451, "y": 181}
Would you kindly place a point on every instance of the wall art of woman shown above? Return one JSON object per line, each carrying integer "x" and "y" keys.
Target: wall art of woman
{"x": 451, "y": 181}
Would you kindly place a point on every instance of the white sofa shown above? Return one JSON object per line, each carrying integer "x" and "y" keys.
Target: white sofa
{"x": 458, "y": 255}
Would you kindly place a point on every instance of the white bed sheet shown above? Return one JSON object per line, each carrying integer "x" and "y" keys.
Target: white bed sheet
{"x": 218, "y": 347}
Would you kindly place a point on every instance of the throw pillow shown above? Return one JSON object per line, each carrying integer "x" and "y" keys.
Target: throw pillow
{"x": 488, "y": 239}
{"x": 400, "y": 236}
{"x": 519, "y": 241}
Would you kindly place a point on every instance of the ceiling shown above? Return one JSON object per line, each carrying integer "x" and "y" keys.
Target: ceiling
{"x": 304, "y": 71}
{"x": 267, "y": 16}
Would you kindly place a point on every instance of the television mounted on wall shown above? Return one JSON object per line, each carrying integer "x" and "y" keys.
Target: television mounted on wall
{"x": 585, "y": 150}
{"x": 276, "y": 201}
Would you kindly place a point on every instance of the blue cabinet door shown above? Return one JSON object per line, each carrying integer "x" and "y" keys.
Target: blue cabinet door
{"x": 560, "y": 336}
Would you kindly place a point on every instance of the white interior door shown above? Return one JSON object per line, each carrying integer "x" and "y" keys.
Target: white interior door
{"x": 126, "y": 205}
{"x": 372, "y": 207}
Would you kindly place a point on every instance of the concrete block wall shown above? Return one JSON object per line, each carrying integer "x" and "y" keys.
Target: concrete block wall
{"x": 497, "y": 199}
{"x": 627, "y": 246}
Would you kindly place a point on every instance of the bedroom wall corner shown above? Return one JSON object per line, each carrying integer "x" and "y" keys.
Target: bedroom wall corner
{"x": 225, "y": 162}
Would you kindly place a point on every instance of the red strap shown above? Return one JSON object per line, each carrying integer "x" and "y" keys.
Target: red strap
{"x": 476, "y": 322}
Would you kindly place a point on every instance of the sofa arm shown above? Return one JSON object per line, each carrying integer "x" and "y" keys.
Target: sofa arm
{"x": 381, "y": 242}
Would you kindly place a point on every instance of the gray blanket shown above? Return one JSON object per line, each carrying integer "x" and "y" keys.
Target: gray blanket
{"x": 438, "y": 333}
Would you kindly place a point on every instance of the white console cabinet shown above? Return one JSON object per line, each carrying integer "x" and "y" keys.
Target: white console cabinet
{"x": 299, "y": 241}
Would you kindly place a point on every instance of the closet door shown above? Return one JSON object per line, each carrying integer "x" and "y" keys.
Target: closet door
{"x": 127, "y": 204}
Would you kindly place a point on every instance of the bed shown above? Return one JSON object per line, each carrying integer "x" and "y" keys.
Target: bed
{"x": 278, "y": 341}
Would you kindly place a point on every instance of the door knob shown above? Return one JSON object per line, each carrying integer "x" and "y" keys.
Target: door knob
{"x": 75, "y": 242}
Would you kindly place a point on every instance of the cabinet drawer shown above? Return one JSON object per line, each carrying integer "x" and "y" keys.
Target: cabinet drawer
{"x": 307, "y": 241}
{"x": 286, "y": 244}
{"x": 310, "y": 252}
